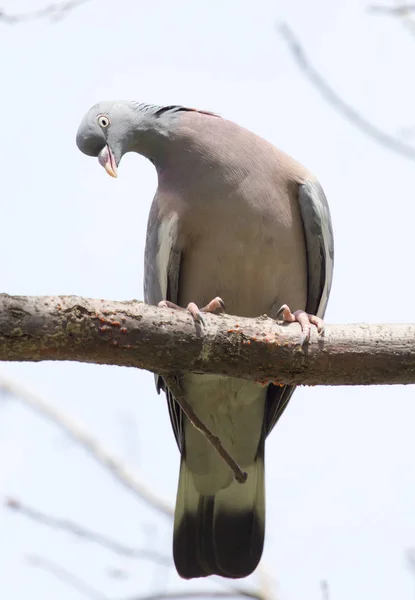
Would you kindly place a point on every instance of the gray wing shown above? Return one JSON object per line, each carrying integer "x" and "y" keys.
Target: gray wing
{"x": 318, "y": 234}
{"x": 161, "y": 282}
{"x": 161, "y": 258}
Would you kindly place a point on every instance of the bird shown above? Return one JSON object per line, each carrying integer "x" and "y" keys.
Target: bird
{"x": 235, "y": 223}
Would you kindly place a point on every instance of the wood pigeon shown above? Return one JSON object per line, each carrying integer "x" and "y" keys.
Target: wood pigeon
{"x": 233, "y": 218}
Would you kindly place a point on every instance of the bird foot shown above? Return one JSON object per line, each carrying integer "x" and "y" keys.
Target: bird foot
{"x": 215, "y": 306}
{"x": 304, "y": 319}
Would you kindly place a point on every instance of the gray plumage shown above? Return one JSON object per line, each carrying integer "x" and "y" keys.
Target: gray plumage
{"x": 232, "y": 217}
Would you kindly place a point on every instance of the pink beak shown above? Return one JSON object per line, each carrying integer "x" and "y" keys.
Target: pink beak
{"x": 107, "y": 160}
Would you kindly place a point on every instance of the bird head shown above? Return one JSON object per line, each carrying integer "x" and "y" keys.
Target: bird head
{"x": 105, "y": 132}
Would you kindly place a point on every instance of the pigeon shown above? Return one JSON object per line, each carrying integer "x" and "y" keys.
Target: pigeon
{"x": 235, "y": 223}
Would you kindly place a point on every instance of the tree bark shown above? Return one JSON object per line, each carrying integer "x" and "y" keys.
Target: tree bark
{"x": 168, "y": 341}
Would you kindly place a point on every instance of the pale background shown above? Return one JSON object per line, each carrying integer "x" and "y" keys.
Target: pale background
{"x": 340, "y": 464}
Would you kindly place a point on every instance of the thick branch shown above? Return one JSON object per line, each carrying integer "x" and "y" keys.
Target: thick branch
{"x": 164, "y": 340}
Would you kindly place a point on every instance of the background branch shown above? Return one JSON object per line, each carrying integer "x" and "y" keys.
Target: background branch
{"x": 198, "y": 594}
{"x": 86, "y": 534}
{"x": 34, "y": 328}
{"x": 84, "y": 588}
{"x": 401, "y": 11}
{"x": 398, "y": 10}
{"x": 94, "y": 448}
{"x": 325, "y": 590}
{"x": 104, "y": 458}
{"x": 333, "y": 99}
{"x": 66, "y": 576}
{"x": 54, "y": 11}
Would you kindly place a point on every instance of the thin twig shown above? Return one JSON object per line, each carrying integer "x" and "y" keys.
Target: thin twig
{"x": 66, "y": 577}
{"x": 266, "y": 583}
{"x": 399, "y": 10}
{"x": 403, "y": 12}
{"x": 198, "y": 594}
{"x": 174, "y": 387}
{"x": 103, "y": 457}
{"x": 335, "y": 101}
{"x": 117, "y": 547}
{"x": 81, "y": 586}
{"x": 325, "y": 590}
{"x": 55, "y": 12}
{"x": 94, "y": 448}
{"x": 406, "y": 19}
{"x": 86, "y": 534}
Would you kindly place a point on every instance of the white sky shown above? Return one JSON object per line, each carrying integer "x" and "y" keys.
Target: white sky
{"x": 340, "y": 476}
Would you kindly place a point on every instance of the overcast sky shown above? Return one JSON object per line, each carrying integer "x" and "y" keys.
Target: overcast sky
{"x": 340, "y": 468}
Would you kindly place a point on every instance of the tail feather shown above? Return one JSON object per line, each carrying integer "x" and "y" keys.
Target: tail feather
{"x": 221, "y": 534}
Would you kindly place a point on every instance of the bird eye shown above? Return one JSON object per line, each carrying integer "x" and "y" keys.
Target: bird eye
{"x": 103, "y": 121}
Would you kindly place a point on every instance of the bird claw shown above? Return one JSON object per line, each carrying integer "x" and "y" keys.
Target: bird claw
{"x": 215, "y": 306}
{"x": 304, "y": 319}
{"x": 196, "y": 313}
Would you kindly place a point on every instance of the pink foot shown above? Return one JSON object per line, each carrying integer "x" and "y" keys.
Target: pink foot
{"x": 215, "y": 306}
{"x": 304, "y": 319}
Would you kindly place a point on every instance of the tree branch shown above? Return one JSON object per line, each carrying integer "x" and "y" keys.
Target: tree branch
{"x": 237, "y": 593}
{"x": 94, "y": 448}
{"x": 55, "y": 12}
{"x": 174, "y": 387}
{"x": 167, "y": 341}
{"x": 117, "y": 469}
{"x": 398, "y": 10}
{"x": 333, "y": 99}
{"x": 402, "y": 11}
{"x": 325, "y": 590}
{"x": 66, "y": 576}
{"x": 86, "y": 534}
{"x": 81, "y": 586}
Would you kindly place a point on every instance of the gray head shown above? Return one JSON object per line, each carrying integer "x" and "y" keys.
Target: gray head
{"x": 110, "y": 129}
{"x": 104, "y": 132}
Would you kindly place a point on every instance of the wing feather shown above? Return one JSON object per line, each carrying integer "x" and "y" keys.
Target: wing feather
{"x": 161, "y": 282}
{"x": 318, "y": 234}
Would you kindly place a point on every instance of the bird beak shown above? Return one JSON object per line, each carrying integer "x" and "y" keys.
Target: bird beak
{"x": 107, "y": 160}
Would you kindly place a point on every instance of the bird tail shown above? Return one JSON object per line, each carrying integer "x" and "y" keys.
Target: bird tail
{"x": 222, "y": 534}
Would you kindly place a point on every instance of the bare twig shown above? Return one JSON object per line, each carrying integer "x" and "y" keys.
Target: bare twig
{"x": 102, "y": 456}
{"x": 410, "y": 557}
{"x": 237, "y": 593}
{"x": 399, "y": 10}
{"x": 94, "y": 448}
{"x": 81, "y": 586}
{"x": 55, "y": 12}
{"x": 267, "y": 584}
{"x": 162, "y": 340}
{"x": 325, "y": 590}
{"x": 66, "y": 577}
{"x": 336, "y": 102}
{"x": 174, "y": 387}
{"x": 402, "y": 11}
{"x": 87, "y": 534}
